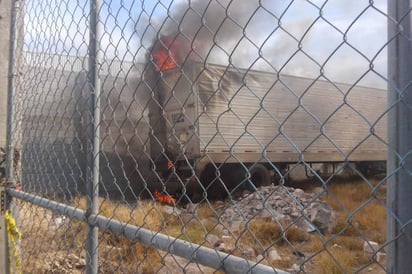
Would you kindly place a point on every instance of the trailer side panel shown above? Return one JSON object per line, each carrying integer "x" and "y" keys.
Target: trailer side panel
{"x": 259, "y": 116}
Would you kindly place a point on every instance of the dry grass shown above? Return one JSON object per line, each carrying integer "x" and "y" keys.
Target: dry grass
{"x": 354, "y": 205}
{"x": 265, "y": 232}
{"x": 339, "y": 260}
{"x": 360, "y": 217}
{"x": 340, "y": 251}
{"x": 43, "y": 240}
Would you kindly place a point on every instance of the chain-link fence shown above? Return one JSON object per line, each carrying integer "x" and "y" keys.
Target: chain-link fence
{"x": 212, "y": 136}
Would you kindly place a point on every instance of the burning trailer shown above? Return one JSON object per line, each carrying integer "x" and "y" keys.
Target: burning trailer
{"x": 218, "y": 128}
{"x": 185, "y": 127}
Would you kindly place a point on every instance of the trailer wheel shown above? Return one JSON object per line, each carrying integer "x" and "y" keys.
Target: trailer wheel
{"x": 259, "y": 175}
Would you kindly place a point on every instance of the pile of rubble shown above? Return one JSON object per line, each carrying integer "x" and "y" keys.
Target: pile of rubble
{"x": 280, "y": 203}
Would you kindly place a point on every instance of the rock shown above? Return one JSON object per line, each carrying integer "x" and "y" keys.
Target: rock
{"x": 237, "y": 226}
{"x": 249, "y": 253}
{"x": 171, "y": 210}
{"x": 381, "y": 257}
{"x": 191, "y": 208}
{"x": 370, "y": 247}
{"x": 309, "y": 227}
{"x": 213, "y": 240}
{"x": 299, "y": 192}
{"x": 48, "y": 217}
{"x": 57, "y": 264}
{"x": 111, "y": 248}
{"x": 279, "y": 203}
{"x": 287, "y": 210}
{"x": 295, "y": 214}
{"x": 259, "y": 257}
{"x": 224, "y": 248}
{"x": 245, "y": 193}
{"x": 226, "y": 238}
{"x": 225, "y": 232}
{"x": 81, "y": 263}
{"x": 295, "y": 268}
{"x": 274, "y": 255}
{"x": 59, "y": 221}
{"x": 323, "y": 218}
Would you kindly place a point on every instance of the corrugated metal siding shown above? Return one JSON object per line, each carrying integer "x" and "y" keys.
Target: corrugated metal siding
{"x": 257, "y": 111}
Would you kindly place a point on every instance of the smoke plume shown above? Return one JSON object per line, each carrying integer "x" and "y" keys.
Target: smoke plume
{"x": 215, "y": 31}
{"x": 293, "y": 37}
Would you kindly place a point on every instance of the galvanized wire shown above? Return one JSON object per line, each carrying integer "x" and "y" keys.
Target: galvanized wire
{"x": 176, "y": 137}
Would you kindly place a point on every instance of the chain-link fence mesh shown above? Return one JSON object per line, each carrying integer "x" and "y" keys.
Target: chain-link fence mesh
{"x": 206, "y": 136}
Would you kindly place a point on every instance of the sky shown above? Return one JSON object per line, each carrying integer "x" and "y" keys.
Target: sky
{"x": 342, "y": 40}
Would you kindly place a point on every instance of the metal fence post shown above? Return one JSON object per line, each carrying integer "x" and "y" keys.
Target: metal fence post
{"x": 11, "y": 89}
{"x": 92, "y": 182}
{"x": 4, "y": 201}
{"x": 399, "y": 235}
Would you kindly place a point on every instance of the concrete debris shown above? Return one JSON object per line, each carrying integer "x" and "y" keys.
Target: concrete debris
{"x": 59, "y": 221}
{"x": 249, "y": 253}
{"x": 323, "y": 217}
{"x": 295, "y": 268}
{"x": 171, "y": 210}
{"x": 381, "y": 257}
{"x": 274, "y": 255}
{"x": 277, "y": 204}
{"x": 370, "y": 247}
{"x": 280, "y": 203}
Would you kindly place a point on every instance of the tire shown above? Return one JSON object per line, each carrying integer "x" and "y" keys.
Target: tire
{"x": 212, "y": 184}
{"x": 259, "y": 176}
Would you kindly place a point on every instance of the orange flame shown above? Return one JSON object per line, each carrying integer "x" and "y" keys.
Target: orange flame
{"x": 164, "y": 198}
{"x": 163, "y": 61}
{"x": 165, "y": 53}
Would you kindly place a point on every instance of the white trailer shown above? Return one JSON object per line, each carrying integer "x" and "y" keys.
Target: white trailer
{"x": 214, "y": 121}
{"x": 207, "y": 124}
